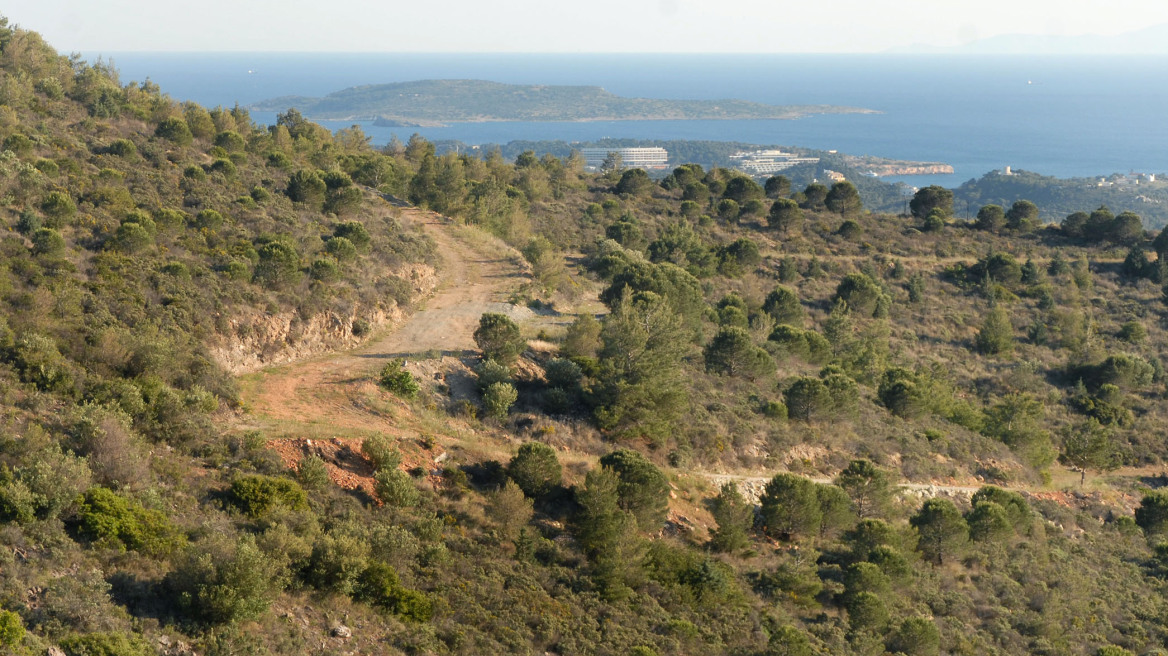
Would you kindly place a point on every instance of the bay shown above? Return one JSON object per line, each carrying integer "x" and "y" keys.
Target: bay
{"x": 1062, "y": 116}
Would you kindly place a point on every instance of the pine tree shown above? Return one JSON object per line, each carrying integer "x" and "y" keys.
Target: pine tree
{"x": 790, "y": 507}
{"x": 940, "y": 528}
{"x": 607, "y": 534}
{"x": 867, "y": 485}
{"x": 997, "y": 334}
{"x": 734, "y": 517}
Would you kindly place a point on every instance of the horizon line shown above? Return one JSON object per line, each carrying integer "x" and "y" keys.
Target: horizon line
{"x": 891, "y": 53}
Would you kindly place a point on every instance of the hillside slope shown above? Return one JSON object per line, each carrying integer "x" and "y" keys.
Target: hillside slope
{"x": 553, "y": 488}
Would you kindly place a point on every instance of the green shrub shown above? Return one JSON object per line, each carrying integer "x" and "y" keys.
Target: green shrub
{"x": 336, "y": 562}
{"x": 132, "y": 238}
{"x": 536, "y": 469}
{"x": 380, "y": 586}
{"x": 175, "y": 129}
{"x": 498, "y": 399}
{"x": 807, "y": 345}
{"x": 783, "y": 304}
{"x": 342, "y": 201}
{"x": 47, "y": 242}
{"x": 562, "y": 373}
{"x": 312, "y": 472}
{"x": 324, "y": 270}
{"x": 734, "y": 518}
{"x": 341, "y": 248}
{"x": 17, "y": 503}
{"x": 395, "y": 379}
{"x": 1123, "y": 370}
{"x": 112, "y": 520}
{"x": 256, "y": 495}
{"x": 11, "y": 629}
{"x": 208, "y": 220}
{"x": 916, "y": 636}
{"x": 38, "y": 361}
{"x": 230, "y": 141}
{"x": 864, "y": 297}
{"x": 279, "y": 160}
{"x": 395, "y": 488}
{"x": 221, "y": 582}
{"x": 865, "y": 577}
{"x": 934, "y": 222}
{"x": 901, "y": 392}
{"x": 556, "y": 401}
{"x": 997, "y": 334}
{"x": 106, "y": 644}
{"x": 867, "y": 610}
{"x": 260, "y": 194}
{"x": 336, "y": 179}
{"x": 382, "y": 452}
{"x": 122, "y": 148}
{"x": 850, "y": 230}
{"x": 775, "y": 410}
{"x": 19, "y": 144}
{"x": 989, "y": 522}
{"x": 789, "y": 641}
{"x": 225, "y": 167}
{"x": 1013, "y": 503}
{"x": 306, "y": 187}
{"x": 490, "y": 372}
{"x": 50, "y": 87}
{"x": 29, "y": 222}
{"x": 499, "y": 339}
{"x": 58, "y": 205}
{"x": 1132, "y": 332}
{"x": 732, "y": 352}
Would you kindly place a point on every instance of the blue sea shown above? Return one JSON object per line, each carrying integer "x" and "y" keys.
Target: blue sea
{"x": 1061, "y": 116}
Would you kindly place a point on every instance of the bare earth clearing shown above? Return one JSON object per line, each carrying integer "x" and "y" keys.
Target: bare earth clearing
{"x": 328, "y": 404}
{"x": 319, "y": 389}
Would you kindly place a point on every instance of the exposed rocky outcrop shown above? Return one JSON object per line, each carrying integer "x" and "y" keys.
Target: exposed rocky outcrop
{"x": 912, "y": 169}
{"x": 256, "y": 339}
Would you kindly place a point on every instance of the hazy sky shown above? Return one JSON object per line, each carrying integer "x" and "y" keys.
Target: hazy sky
{"x": 563, "y": 26}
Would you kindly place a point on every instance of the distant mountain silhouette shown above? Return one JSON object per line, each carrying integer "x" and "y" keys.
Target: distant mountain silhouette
{"x": 1148, "y": 41}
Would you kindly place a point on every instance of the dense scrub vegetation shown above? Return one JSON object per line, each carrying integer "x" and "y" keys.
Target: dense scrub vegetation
{"x": 748, "y": 327}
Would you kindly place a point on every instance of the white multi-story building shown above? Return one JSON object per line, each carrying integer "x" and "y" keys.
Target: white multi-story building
{"x": 766, "y": 162}
{"x": 642, "y": 158}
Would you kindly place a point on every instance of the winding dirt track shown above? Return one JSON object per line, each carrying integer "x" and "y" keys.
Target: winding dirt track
{"x": 326, "y": 390}
{"x": 329, "y": 394}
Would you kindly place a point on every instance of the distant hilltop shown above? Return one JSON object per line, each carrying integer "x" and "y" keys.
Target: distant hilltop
{"x": 431, "y": 102}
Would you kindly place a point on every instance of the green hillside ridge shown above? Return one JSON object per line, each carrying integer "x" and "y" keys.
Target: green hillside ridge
{"x": 1058, "y": 197}
{"x": 428, "y": 101}
{"x": 557, "y": 488}
{"x": 877, "y": 194}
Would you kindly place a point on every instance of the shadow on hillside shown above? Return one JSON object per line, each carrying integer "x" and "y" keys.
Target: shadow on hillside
{"x": 1154, "y": 482}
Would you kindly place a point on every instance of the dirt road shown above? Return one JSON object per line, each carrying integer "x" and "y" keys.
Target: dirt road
{"x": 328, "y": 391}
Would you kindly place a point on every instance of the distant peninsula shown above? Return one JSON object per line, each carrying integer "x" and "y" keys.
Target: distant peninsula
{"x": 433, "y": 102}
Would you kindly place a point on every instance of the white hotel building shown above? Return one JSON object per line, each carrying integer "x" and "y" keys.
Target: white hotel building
{"x": 643, "y": 158}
